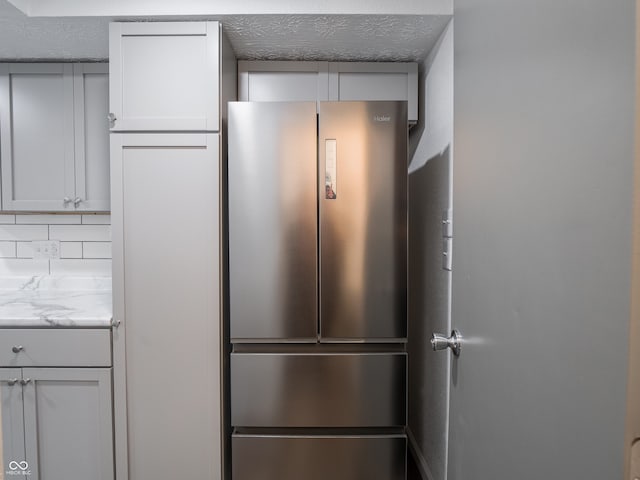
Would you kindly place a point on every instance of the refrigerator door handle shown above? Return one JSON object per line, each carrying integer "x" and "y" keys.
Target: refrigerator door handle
{"x": 331, "y": 169}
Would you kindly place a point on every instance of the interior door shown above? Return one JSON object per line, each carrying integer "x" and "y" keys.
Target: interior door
{"x": 541, "y": 238}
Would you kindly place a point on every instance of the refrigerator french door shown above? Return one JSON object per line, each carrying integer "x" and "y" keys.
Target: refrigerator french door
{"x": 317, "y": 286}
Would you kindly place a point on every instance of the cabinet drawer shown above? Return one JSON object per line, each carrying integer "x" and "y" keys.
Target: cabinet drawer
{"x": 55, "y": 348}
{"x": 282, "y": 457}
{"x": 318, "y": 390}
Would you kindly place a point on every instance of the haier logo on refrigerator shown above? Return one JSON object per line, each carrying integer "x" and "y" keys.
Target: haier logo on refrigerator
{"x": 382, "y": 118}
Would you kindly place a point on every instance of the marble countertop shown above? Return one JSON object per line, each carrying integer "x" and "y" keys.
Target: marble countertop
{"x": 48, "y": 301}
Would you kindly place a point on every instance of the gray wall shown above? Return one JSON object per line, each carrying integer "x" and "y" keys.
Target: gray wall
{"x": 542, "y": 201}
{"x": 429, "y": 283}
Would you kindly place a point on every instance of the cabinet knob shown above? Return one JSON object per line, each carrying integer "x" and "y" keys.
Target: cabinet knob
{"x": 66, "y": 200}
{"x": 77, "y": 201}
{"x": 12, "y": 382}
{"x": 25, "y": 381}
{"x": 17, "y": 348}
{"x": 112, "y": 119}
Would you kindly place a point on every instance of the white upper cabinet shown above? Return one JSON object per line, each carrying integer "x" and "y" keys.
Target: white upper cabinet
{"x": 91, "y": 106}
{"x": 291, "y": 81}
{"x": 375, "y": 81}
{"x": 164, "y": 76}
{"x": 269, "y": 81}
{"x": 54, "y": 137}
{"x": 36, "y": 136}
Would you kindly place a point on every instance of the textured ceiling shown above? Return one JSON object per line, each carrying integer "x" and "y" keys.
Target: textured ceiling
{"x": 283, "y": 37}
{"x": 22, "y": 37}
{"x": 332, "y": 37}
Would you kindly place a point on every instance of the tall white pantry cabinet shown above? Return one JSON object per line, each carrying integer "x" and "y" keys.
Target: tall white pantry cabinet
{"x": 169, "y": 84}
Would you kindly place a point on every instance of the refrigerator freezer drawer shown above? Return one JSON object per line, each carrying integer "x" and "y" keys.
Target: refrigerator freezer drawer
{"x": 318, "y": 457}
{"x": 318, "y": 390}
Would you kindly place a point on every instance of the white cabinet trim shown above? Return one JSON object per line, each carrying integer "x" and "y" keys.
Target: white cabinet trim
{"x": 164, "y": 28}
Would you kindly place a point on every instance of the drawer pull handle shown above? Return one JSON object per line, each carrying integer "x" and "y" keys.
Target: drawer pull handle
{"x": 17, "y": 349}
{"x": 25, "y": 381}
{"x": 12, "y": 382}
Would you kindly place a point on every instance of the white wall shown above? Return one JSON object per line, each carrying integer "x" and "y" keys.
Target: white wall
{"x": 229, "y": 7}
{"x": 429, "y": 283}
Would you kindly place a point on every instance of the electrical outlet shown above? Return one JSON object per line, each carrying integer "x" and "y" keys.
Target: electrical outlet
{"x": 46, "y": 249}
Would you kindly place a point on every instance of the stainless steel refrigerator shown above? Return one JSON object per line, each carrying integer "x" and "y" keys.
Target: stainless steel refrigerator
{"x": 317, "y": 290}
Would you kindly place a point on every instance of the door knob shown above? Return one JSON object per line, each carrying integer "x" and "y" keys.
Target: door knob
{"x": 454, "y": 342}
{"x": 17, "y": 348}
{"x": 12, "y": 382}
{"x": 77, "y": 201}
{"x": 25, "y": 381}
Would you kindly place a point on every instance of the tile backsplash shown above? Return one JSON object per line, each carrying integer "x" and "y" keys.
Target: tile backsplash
{"x": 85, "y": 244}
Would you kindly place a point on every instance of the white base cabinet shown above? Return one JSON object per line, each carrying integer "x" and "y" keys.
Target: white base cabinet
{"x": 56, "y": 423}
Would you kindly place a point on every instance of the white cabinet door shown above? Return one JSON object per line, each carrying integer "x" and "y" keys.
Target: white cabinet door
{"x": 11, "y": 422}
{"x": 375, "y": 81}
{"x": 36, "y": 129}
{"x": 166, "y": 248}
{"x": 269, "y": 81}
{"x": 164, "y": 76}
{"x": 91, "y": 107}
{"x": 67, "y": 421}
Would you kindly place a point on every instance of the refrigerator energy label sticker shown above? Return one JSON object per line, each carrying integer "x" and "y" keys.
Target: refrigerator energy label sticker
{"x": 330, "y": 169}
